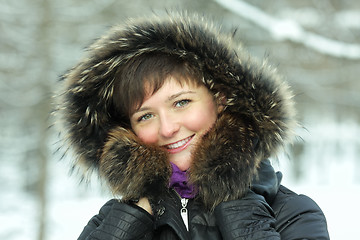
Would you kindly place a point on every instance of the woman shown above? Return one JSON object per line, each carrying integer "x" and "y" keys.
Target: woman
{"x": 180, "y": 122}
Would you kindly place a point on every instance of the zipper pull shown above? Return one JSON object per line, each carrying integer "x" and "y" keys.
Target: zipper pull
{"x": 184, "y": 212}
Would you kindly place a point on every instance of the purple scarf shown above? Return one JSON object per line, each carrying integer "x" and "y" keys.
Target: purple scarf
{"x": 179, "y": 181}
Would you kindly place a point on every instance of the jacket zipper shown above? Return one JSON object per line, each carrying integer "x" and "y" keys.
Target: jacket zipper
{"x": 184, "y": 211}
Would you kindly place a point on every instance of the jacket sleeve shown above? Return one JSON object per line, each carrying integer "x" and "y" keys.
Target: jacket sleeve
{"x": 300, "y": 218}
{"x": 247, "y": 218}
{"x": 118, "y": 221}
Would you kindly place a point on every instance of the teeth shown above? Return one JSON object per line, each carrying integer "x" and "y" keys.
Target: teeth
{"x": 178, "y": 144}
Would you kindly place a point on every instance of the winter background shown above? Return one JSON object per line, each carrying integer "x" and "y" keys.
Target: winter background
{"x": 314, "y": 43}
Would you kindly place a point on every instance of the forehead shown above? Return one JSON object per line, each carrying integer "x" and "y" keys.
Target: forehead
{"x": 169, "y": 84}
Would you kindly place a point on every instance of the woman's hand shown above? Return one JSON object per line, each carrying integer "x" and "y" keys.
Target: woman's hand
{"x": 144, "y": 204}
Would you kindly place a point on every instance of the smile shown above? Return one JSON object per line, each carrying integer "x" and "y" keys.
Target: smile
{"x": 179, "y": 145}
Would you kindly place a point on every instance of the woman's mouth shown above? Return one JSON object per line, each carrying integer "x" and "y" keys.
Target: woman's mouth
{"x": 179, "y": 145}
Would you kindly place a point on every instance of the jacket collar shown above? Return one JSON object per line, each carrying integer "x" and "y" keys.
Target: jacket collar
{"x": 265, "y": 183}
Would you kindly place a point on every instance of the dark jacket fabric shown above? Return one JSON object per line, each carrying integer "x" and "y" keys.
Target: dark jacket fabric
{"x": 257, "y": 121}
{"x": 268, "y": 211}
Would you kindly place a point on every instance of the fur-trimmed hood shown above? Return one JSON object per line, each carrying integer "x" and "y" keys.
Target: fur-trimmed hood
{"x": 257, "y": 121}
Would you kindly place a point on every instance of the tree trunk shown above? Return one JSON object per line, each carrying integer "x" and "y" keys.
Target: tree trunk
{"x": 43, "y": 109}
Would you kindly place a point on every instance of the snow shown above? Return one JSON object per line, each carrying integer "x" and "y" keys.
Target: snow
{"x": 18, "y": 212}
{"x": 288, "y": 29}
{"x": 72, "y": 203}
{"x": 348, "y": 19}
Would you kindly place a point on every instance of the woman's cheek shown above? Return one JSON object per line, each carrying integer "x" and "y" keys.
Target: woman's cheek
{"x": 205, "y": 117}
{"x": 147, "y": 134}
{"x": 201, "y": 121}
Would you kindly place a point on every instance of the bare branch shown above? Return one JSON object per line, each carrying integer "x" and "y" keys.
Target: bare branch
{"x": 290, "y": 30}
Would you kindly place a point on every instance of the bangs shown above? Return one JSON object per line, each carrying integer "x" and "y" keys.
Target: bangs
{"x": 144, "y": 75}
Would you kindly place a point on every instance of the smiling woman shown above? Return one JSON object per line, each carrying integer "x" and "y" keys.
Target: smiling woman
{"x": 176, "y": 117}
{"x": 180, "y": 124}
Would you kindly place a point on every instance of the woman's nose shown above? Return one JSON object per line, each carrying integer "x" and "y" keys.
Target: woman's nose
{"x": 169, "y": 125}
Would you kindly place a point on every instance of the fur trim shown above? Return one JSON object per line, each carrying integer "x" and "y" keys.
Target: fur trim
{"x": 132, "y": 169}
{"x": 259, "y": 109}
{"x": 225, "y": 161}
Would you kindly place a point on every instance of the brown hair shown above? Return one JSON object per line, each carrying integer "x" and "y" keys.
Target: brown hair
{"x": 153, "y": 69}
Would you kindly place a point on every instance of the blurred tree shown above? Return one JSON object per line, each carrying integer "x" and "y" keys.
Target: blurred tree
{"x": 26, "y": 67}
{"x": 43, "y": 108}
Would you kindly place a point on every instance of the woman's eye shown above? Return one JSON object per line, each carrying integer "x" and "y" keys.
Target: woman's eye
{"x": 145, "y": 117}
{"x": 182, "y": 103}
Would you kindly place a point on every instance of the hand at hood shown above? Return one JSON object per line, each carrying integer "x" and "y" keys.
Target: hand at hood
{"x": 267, "y": 181}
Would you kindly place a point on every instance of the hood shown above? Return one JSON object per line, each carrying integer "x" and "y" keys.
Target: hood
{"x": 257, "y": 121}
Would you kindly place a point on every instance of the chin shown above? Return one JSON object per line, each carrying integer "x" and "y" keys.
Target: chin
{"x": 182, "y": 165}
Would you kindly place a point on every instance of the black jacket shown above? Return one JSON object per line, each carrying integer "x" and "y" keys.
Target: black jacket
{"x": 268, "y": 211}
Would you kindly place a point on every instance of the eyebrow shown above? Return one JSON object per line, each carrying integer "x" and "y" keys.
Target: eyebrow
{"x": 170, "y": 98}
{"x": 179, "y": 94}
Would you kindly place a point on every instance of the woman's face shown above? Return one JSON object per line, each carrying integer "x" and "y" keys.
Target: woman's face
{"x": 175, "y": 117}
